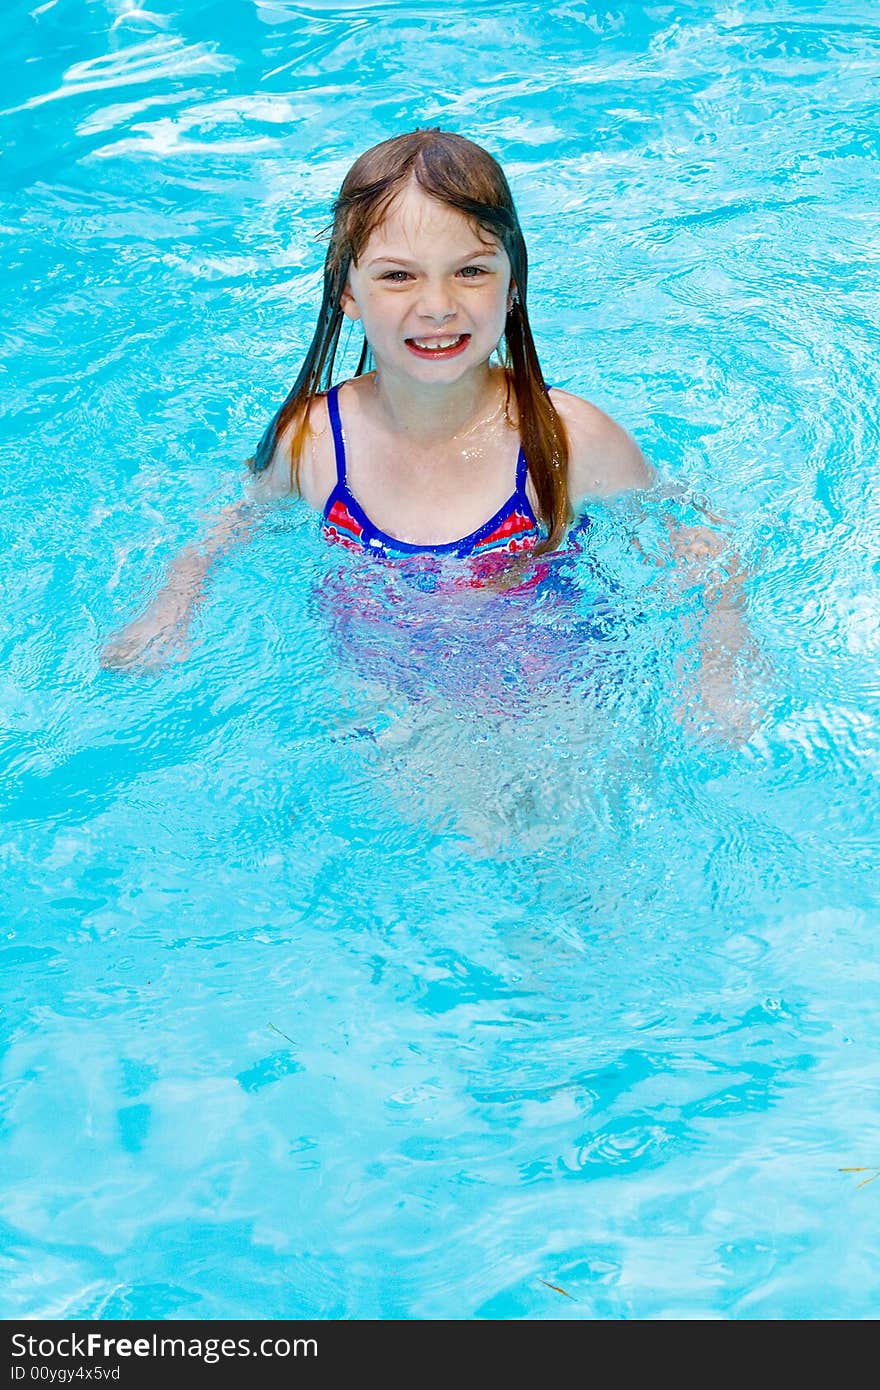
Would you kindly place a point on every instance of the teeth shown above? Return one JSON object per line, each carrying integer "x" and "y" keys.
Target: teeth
{"x": 437, "y": 344}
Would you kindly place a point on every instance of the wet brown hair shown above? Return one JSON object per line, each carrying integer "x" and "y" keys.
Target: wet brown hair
{"x": 464, "y": 176}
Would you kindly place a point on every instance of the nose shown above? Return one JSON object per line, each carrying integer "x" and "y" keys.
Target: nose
{"x": 436, "y": 303}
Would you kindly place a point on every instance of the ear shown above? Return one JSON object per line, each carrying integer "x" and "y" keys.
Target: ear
{"x": 512, "y": 296}
{"x": 348, "y": 305}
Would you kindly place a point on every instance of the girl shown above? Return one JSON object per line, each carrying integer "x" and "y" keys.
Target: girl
{"x": 431, "y": 452}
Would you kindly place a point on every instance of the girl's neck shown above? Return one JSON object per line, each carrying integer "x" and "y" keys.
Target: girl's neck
{"x": 428, "y": 416}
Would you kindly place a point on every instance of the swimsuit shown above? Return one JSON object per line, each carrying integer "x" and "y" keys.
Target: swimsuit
{"x": 513, "y": 529}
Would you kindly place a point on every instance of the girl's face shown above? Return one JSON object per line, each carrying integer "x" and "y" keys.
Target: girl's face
{"x": 432, "y": 293}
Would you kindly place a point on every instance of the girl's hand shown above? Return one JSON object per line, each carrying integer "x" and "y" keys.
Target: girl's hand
{"x": 159, "y": 635}
{"x": 715, "y": 701}
{"x": 714, "y": 704}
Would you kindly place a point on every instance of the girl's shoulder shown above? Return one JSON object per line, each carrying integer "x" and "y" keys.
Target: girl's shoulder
{"x": 313, "y": 474}
{"x": 603, "y": 457}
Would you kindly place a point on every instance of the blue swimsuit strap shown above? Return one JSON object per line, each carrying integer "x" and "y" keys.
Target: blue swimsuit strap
{"x": 336, "y": 427}
{"x": 522, "y": 474}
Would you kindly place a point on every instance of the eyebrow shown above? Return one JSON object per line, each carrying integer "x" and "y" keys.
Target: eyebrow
{"x": 488, "y": 252}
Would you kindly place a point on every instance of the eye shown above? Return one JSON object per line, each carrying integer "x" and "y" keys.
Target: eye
{"x": 473, "y": 272}
{"x": 396, "y": 277}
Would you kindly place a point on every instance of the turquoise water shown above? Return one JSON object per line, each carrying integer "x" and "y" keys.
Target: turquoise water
{"x": 393, "y": 970}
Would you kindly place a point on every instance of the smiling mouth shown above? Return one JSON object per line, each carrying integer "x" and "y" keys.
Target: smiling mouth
{"x": 448, "y": 346}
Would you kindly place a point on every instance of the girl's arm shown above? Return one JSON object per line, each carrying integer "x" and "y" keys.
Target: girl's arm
{"x": 605, "y": 460}
{"x": 713, "y": 693}
{"x": 161, "y": 632}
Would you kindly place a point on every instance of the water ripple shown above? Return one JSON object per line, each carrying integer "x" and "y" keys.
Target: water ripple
{"x": 328, "y": 957}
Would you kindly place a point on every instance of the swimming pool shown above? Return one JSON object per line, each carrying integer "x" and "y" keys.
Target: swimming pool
{"x": 381, "y": 974}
